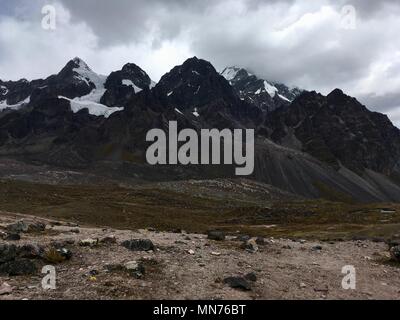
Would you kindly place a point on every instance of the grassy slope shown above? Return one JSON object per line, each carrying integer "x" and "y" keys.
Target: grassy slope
{"x": 167, "y": 209}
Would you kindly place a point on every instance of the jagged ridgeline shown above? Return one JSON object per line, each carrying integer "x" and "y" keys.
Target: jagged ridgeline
{"x": 306, "y": 143}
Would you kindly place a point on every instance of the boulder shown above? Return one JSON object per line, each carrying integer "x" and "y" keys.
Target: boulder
{"x": 31, "y": 251}
{"x": 139, "y": 245}
{"x": 19, "y": 267}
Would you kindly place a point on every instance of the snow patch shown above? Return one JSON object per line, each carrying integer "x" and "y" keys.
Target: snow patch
{"x": 17, "y": 106}
{"x": 195, "y": 113}
{"x": 271, "y": 90}
{"x": 230, "y": 73}
{"x": 284, "y": 98}
{"x": 129, "y": 83}
{"x": 91, "y": 101}
{"x": 93, "y": 108}
{"x": 179, "y": 111}
{"x": 170, "y": 93}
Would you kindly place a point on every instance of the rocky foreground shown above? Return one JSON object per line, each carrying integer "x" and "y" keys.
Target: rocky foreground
{"x": 94, "y": 263}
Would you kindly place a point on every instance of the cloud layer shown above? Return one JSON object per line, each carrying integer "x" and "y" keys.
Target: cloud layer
{"x": 312, "y": 44}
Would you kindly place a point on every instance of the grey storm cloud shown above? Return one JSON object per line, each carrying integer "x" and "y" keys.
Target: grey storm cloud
{"x": 297, "y": 42}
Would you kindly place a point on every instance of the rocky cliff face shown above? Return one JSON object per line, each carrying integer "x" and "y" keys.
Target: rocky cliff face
{"x": 338, "y": 130}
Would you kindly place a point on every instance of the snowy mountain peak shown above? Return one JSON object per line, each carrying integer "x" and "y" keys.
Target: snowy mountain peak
{"x": 79, "y": 62}
{"x": 265, "y": 94}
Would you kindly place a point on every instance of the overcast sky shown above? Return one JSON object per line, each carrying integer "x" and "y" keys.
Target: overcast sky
{"x": 311, "y": 44}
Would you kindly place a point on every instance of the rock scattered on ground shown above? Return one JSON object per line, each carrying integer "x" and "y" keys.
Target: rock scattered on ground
{"x": 139, "y": 245}
{"x": 216, "y": 235}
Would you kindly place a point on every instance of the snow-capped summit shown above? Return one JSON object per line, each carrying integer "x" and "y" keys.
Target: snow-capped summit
{"x": 262, "y": 93}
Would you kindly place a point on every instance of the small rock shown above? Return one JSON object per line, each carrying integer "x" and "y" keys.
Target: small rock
{"x": 287, "y": 247}
{"x": 216, "y": 235}
{"x": 250, "y": 246}
{"x": 303, "y": 285}
{"x": 242, "y": 238}
{"x": 135, "y": 269}
{"x": 93, "y": 272}
{"x": 177, "y": 231}
{"x": 251, "y": 277}
{"x": 62, "y": 244}
{"x": 323, "y": 288}
{"x": 139, "y": 245}
{"x": 89, "y": 242}
{"x": 109, "y": 240}
{"x": 217, "y": 254}
{"x": 260, "y": 241}
{"x": 114, "y": 267}
{"x": 5, "y": 288}
{"x": 36, "y": 227}
{"x": 75, "y": 230}
{"x": 316, "y": 248}
{"x": 238, "y": 283}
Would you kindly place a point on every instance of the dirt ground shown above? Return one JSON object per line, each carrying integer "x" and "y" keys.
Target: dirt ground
{"x": 189, "y": 266}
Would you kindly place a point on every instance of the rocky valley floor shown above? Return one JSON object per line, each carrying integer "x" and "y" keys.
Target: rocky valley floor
{"x": 191, "y": 266}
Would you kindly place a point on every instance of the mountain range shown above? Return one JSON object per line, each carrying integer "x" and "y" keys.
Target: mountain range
{"x": 307, "y": 144}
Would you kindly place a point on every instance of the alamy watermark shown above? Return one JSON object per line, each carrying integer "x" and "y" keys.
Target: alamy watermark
{"x": 49, "y": 20}
{"x": 349, "y": 280}
{"x": 49, "y": 280}
{"x": 348, "y": 18}
{"x": 189, "y": 147}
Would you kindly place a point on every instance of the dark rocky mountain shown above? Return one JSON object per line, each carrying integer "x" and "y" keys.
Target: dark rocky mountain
{"x": 314, "y": 146}
{"x": 268, "y": 96}
{"x": 338, "y": 130}
{"x": 197, "y": 90}
{"x": 124, "y": 84}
